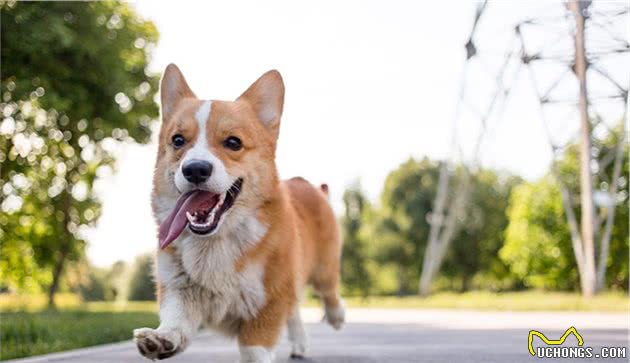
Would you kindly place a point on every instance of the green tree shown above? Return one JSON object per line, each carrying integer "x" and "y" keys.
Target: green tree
{"x": 103, "y": 284}
{"x": 538, "y": 245}
{"x": 74, "y": 82}
{"x": 354, "y": 272}
{"x": 95, "y": 286}
{"x": 606, "y": 185}
{"x": 537, "y": 242}
{"x": 473, "y": 254}
{"x": 398, "y": 230}
{"x": 141, "y": 285}
{"x": 117, "y": 278}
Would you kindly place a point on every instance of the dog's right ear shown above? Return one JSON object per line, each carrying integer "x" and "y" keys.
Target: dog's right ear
{"x": 173, "y": 88}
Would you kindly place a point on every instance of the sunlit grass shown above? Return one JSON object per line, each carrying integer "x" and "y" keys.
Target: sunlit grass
{"x": 18, "y": 302}
{"x": 477, "y": 300}
{"x": 506, "y": 301}
{"x": 125, "y": 306}
{"x": 65, "y": 302}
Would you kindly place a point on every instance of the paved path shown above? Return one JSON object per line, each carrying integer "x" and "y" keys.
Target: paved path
{"x": 379, "y": 335}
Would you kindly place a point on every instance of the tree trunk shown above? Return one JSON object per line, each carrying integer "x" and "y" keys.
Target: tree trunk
{"x": 402, "y": 281}
{"x": 57, "y": 272}
{"x": 63, "y": 251}
{"x": 465, "y": 283}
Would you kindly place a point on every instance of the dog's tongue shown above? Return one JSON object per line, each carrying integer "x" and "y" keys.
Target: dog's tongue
{"x": 196, "y": 200}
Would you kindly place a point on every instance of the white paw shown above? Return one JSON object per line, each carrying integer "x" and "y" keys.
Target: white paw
{"x": 155, "y": 344}
{"x": 335, "y": 316}
{"x": 255, "y": 354}
{"x": 298, "y": 348}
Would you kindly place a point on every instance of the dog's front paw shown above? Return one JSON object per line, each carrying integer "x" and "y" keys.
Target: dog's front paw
{"x": 256, "y": 354}
{"x": 335, "y": 316}
{"x": 155, "y": 344}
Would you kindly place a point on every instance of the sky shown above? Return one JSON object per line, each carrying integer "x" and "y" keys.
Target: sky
{"x": 368, "y": 85}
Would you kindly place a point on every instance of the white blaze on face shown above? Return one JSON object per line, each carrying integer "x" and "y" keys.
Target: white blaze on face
{"x": 220, "y": 181}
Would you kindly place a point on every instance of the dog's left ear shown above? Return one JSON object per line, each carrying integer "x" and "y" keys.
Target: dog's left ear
{"x": 266, "y": 96}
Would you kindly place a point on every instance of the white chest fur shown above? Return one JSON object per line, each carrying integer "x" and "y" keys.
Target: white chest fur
{"x": 205, "y": 266}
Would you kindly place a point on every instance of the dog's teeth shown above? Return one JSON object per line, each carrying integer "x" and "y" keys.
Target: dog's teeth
{"x": 221, "y": 200}
{"x": 190, "y": 217}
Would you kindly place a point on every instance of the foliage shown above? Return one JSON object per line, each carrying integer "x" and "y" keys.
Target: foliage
{"x": 538, "y": 243}
{"x": 354, "y": 271}
{"x": 472, "y": 256}
{"x": 141, "y": 286}
{"x": 85, "y": 60}
{"x": 397, "y": 231}
{"x": 73, "y": 83}
{"x": 105, "y": 284}
{"x": 95, "y": 288}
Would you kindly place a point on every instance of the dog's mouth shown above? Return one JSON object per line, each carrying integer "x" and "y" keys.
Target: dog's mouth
{"x": 200, "y": 210}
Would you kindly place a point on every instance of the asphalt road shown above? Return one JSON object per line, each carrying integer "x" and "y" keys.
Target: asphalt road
{"x": 378, "y": 335}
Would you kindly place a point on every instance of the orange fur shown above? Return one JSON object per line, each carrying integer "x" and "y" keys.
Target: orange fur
{"x": 305, "y": 247}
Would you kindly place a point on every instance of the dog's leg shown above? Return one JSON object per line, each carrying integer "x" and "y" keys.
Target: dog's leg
{"x": 297, "y": 336}
{"x": 257, "y": 337}
{"x": 326, "y": 283}
{"x": 180, "y": 315}
{"x": 335, "y": 313}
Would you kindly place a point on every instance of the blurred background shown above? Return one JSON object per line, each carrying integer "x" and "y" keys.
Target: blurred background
{"x": 467, "y": 166}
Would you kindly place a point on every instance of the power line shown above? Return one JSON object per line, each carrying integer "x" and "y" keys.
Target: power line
{"x": 443, "y": 227}
{"x": 591, "y": 276}
{"x": 446, "y": 211}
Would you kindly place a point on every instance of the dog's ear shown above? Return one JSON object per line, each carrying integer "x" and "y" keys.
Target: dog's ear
{"x": 173, "y": 88}
{"x": 266, "y": 96}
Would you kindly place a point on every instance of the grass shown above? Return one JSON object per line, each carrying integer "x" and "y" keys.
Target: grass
{"x": 506, "y": 301}
{"x": 67, "y": 302}
{"x": 24, "y": 334}
{"x": 17, "y": 302}
{"x": 27, "y": 329}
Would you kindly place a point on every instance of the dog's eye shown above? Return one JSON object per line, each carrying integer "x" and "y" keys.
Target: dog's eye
{"x": 178, "y": 141}
{"x": 233, "y": 143}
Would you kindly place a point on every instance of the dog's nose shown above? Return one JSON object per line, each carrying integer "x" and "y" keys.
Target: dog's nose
{"x": 197, "y": 171}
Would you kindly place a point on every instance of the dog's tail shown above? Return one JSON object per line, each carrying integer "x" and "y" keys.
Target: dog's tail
{"x": 324, "y": 189}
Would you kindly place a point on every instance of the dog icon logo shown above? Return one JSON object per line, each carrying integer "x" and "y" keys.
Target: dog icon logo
{"x": 547, "y": 341}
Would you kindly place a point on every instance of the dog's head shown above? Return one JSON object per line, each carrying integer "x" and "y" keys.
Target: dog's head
{"x": 214, "y": 157}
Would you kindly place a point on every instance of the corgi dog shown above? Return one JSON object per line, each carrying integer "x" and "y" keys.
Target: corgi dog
{"x": 237, "y": 246}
